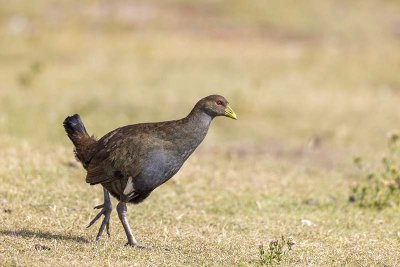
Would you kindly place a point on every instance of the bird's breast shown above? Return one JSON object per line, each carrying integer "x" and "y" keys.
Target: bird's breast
{"x": 158, "y": 168}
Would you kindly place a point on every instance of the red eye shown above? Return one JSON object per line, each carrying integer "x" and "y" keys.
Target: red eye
{"x": 219, "y": 102}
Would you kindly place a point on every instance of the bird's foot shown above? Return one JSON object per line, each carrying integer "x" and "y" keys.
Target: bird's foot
{"x": 139, "y": 245}
{"x": 106, "y": 209}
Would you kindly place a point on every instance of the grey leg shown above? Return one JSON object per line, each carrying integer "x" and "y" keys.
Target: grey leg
{"x": 106, "y": 209}
{"x": 121, "y": 209}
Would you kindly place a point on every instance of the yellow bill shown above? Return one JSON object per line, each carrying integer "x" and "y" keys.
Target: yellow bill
{"x": 230, "y": 113}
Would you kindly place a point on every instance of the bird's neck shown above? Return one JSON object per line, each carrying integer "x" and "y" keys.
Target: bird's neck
{"x": 194, "y": 127}
{"x": 198, "y": 122}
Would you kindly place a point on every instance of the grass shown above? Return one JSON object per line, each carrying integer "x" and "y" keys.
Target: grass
{"x": 313, "y": 83}
{"x": 380, "y": 187}
{"x": 275, "y": 252}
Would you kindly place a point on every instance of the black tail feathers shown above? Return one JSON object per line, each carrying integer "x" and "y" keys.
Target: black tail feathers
{"x": 83, "y": 143}
{"x": 75, "y": 128}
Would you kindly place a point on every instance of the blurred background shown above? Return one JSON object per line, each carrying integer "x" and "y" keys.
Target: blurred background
{"x": 294, "y": 71}
{"x": 314, "y": 83}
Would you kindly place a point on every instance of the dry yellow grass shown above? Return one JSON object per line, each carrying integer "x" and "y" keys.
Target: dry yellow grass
{"x": 313, "y": 84}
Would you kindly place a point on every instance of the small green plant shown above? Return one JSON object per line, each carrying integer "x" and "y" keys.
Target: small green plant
{"x": 379, "y": 188}
{"x": 276, "y": 251}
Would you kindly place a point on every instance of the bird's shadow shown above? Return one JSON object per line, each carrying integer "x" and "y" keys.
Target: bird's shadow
{"x": 27, "y": 233}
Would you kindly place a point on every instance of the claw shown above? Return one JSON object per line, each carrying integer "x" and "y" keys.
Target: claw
{"x": 96, "y": 218}
{"x": 104, "y": 224}
{"x": 108, "y": 228}
{"x": 106, "y": 209}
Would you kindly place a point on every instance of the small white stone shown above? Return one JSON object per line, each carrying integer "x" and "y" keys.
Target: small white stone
{"x": 305, "y": 222}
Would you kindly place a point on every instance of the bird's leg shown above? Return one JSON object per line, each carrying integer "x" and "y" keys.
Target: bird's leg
{"x": 106, "y": 209}
{"x": 121, "y": 209}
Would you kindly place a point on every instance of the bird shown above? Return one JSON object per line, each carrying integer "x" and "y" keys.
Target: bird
{"x": 133, "y": 160}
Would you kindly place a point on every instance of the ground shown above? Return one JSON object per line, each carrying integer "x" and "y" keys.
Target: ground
{"x": 314, "y": 84}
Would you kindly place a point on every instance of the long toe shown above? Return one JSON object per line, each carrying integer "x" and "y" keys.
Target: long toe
{"x": 99, "y": 207}
{"x": 103, "y": 211}
{"x": 104, "y": 224}
{"x": 106, "y": 210}
{"x": 108, "y": 228}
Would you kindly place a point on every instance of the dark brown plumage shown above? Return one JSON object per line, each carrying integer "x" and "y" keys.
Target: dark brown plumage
{"x": 131, "y": 161}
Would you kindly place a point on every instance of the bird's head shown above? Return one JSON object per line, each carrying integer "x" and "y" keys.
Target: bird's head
{"x": 216, "y": 105}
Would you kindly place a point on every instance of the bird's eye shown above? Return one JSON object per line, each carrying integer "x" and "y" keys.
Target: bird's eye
{"x": 219, "y": 103}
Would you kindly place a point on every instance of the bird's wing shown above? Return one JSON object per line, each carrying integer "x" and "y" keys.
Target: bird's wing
{"x": 121, "y": 153}
{"x": 117, "y": 155}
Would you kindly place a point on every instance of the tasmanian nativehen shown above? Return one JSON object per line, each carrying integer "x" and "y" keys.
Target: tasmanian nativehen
{"x": 131, "y": 161}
